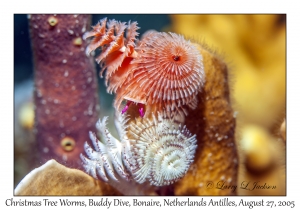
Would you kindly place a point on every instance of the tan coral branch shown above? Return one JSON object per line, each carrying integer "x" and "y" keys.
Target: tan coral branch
{"x": 213, "y": 122}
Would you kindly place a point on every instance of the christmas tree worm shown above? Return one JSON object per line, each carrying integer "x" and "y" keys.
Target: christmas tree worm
{"x": 163, "y": 72}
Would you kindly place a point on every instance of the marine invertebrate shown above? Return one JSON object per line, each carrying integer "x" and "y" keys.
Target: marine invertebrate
{"x": 168, "y": 73}
{"x": 65, "y": 94}
{"x": 163, "y": 150}
{"x": 117, "y": 51}
{"x": 162, "y": 71}
{"x": 154, "y": 150}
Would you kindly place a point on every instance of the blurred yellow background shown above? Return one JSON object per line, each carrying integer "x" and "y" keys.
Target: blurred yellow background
{"x": 254, "y": 47}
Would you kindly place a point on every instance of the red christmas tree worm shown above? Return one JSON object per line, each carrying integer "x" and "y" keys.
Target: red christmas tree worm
{"x": 162, "y": 71}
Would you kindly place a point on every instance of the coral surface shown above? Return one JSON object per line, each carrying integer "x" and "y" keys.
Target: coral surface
{"x": 65, "y": 94}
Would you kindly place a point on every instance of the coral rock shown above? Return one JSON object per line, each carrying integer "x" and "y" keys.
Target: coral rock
{"x": 53, "y": 178}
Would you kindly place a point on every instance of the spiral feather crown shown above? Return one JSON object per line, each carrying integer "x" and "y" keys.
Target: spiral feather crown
{"x": 162, "y": 71}
{"x": 155, "y": 150}
{"x": 168, "y": 73}
{"x": 162, "y": 149}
